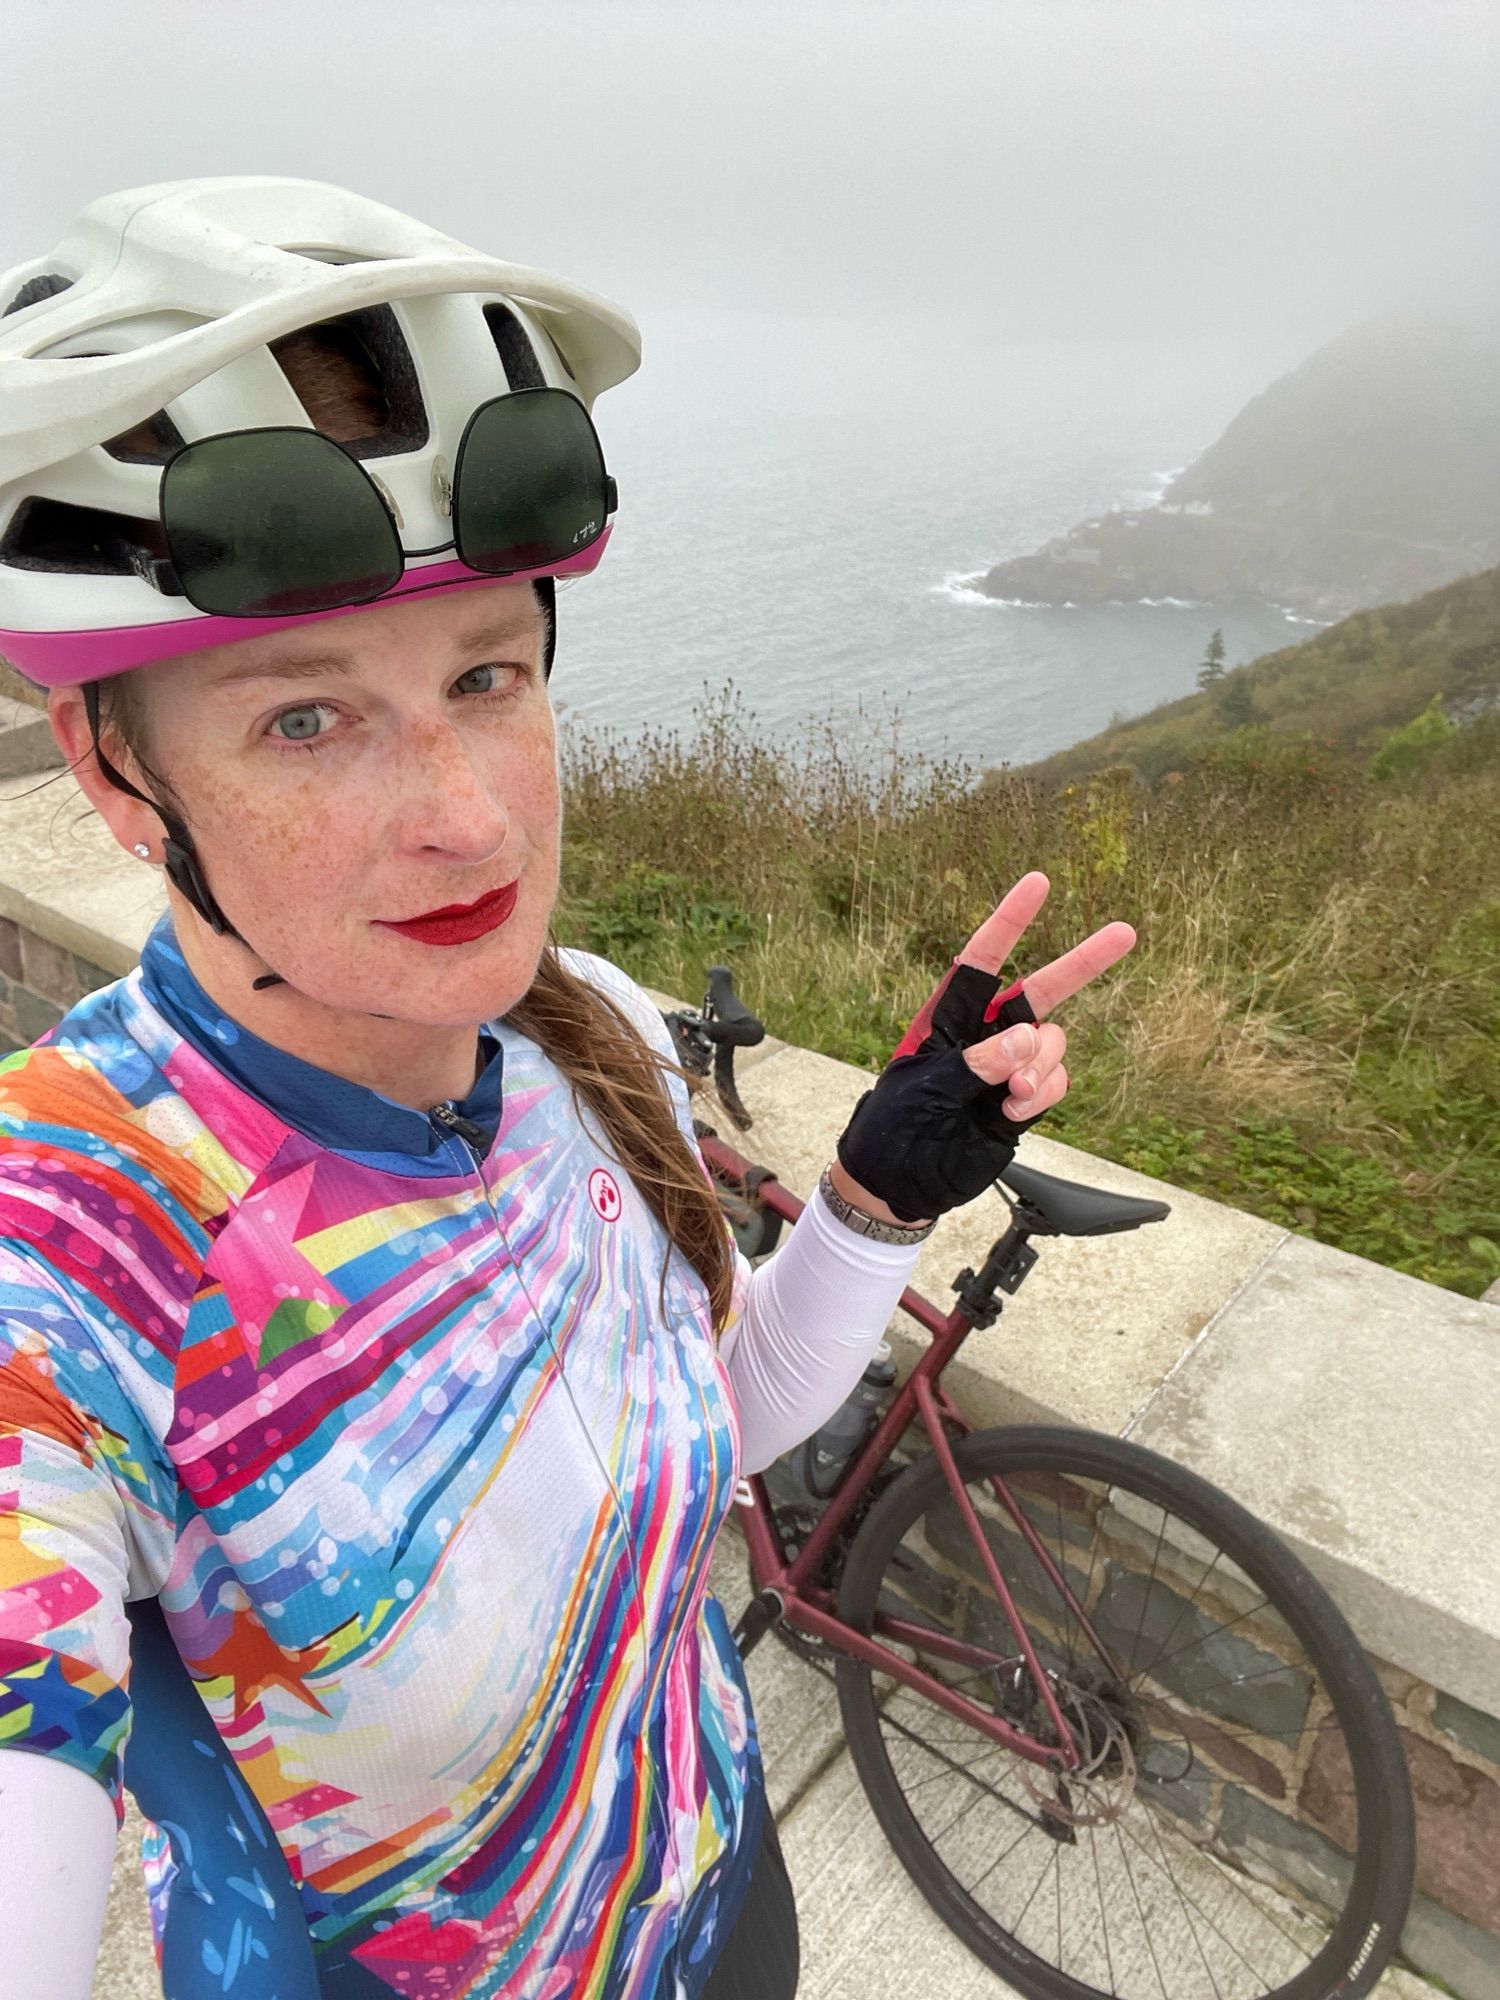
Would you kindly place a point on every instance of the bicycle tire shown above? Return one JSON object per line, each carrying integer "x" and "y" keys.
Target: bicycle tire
{"x": 1366, "y": 1933}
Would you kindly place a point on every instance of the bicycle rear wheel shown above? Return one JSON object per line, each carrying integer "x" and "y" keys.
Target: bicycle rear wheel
{"x": 1240, "y": 1825}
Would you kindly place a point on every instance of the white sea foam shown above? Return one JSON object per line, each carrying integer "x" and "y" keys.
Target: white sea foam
{"x": 961, "y": 587}
{"x": 1141, "y": 497}
{"x": 1292, "y": 618}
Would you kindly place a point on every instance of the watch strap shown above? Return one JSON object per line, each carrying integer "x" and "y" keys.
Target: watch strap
{"x": 870, "y": 1225}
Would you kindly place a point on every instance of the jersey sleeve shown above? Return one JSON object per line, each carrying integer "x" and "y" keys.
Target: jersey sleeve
{"x": 84, "y": 1524}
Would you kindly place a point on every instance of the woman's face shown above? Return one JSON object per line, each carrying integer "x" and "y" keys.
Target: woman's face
{"x": 368, "y": 769}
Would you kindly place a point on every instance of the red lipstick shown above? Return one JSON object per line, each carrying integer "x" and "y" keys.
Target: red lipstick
{"x": 457, "y": 923}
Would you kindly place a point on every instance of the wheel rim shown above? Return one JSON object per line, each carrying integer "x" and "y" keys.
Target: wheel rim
{"x": 1205, "y": 1850}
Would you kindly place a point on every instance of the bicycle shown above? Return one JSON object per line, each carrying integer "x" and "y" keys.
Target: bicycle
{"x": 1187, "y": 1730}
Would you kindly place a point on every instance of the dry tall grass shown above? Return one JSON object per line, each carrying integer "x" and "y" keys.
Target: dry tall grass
{"x": 1308, "y": 1027}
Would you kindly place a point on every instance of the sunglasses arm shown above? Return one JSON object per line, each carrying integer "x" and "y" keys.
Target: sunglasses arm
{"x": 158, "y": 571}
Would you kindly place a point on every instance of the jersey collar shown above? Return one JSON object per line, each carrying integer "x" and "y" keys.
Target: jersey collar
{"x": 330, "y": 1110}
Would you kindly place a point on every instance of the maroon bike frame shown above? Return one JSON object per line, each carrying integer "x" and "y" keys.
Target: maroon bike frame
{"x": 810, "y": 1608}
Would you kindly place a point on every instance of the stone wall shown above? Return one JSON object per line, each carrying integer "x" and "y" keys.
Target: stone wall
{"x": 39, "y": 982}
{"x": 1231, "y": 1689}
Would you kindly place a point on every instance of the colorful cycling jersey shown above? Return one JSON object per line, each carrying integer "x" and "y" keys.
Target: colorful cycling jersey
{"x": 420, "y": 1446}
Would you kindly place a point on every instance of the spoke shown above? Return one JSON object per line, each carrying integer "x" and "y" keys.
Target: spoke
{"x": 1061, "y": 1560}
{"x": 1103, "y": 1912}
{"x": 1140, "y": 1912}
{"x": 1295, "y": 1942}
{"x": 1236, "y": 1733}
{"x": 1015, "y": 1929}
{"x": 1030, "y": 1828}
{"x": 1156, "y": 1833}
{"x": 912, "y": 1737}
{"x": 1058, "y": 1879}
{"x": 1161, "y": 1535}
{"x": 1176, "y": 1622}
{"x": 1160, "y": 1658}
{"x": 947, "y": 1825}
{"x": 1243, "y": 1680}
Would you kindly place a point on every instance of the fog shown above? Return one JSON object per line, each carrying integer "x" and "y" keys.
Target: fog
{"x": 1232, "y": 182}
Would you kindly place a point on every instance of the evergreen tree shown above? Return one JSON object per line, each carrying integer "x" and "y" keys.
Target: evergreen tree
{"x": 1212, "y": 669}
{"x": 1235, "y": 703}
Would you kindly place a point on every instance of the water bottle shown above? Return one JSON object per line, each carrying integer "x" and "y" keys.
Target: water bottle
{"x": 819, "y": 1461}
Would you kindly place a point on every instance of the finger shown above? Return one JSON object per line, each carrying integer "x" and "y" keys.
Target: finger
{"x": 1054, "y": 1089}
{"x": 996, "y": 938}
{"x": 1018, "y": 1053}
{"x": 1047, "y": 988}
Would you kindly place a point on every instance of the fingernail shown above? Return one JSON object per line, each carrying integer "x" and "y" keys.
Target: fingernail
{"x": 1019, "y": 1044}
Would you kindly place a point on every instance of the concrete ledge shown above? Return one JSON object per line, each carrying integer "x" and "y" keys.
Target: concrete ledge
{"x": 65, "y": 877}
{"x": 26, "y": 740}
{"x": 1097, "y": 1326}
{"x": 1357, "y": 1410}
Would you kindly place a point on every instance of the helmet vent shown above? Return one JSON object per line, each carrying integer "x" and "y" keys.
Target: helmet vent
{"x": 35, "y": 290}
{"x": 54, "y": 535}
{"x": 150, "y": 443}
{"x": 517, "y": 355}
{"x": 355, "y": 378}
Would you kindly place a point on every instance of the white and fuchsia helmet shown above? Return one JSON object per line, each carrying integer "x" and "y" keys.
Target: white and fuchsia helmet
{"x": 162, "y": 485}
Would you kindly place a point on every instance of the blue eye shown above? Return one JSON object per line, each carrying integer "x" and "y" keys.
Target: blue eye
{"x": 497, "y": 680}
{"x": 301, "y": 723}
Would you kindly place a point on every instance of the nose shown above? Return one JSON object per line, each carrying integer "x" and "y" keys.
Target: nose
{"x": 448, "y": 803}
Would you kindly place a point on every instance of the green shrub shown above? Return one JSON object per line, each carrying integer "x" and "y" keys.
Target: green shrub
{"x": 1406, "y": 748}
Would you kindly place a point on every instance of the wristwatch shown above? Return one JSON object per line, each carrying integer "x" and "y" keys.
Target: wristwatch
{"x": 870, "y": 1225}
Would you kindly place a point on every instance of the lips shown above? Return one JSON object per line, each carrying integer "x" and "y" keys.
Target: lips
{"x": 457, "y": 923}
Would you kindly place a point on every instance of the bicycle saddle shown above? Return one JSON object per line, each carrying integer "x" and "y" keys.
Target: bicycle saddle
{"x": 1067, "y": 1208}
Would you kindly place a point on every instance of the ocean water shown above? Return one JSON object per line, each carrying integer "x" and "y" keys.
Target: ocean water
{"x": 800, "y": 503}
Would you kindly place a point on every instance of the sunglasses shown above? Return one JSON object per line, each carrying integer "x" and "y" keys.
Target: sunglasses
{"x": 270, "y": 523}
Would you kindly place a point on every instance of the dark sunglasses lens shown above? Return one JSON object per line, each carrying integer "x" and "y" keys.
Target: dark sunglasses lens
{"x": 267, "y": 524}
{"x": 530, "y": 483}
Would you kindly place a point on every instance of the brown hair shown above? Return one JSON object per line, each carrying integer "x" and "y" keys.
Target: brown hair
{"x": 609, "y": 1066}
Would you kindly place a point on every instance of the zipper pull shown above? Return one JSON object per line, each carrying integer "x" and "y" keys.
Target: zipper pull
{"x": 465, "y": 1128}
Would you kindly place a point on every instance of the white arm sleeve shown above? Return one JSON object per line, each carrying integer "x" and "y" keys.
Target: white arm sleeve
{"x": 57, "y": 1841}
{"x": 814, "y": 1314}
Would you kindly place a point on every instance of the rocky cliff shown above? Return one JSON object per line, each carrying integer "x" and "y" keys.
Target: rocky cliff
{"x": 1370, "y": 473}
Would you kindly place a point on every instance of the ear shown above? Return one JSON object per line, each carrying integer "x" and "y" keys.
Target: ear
{"x": 128, "y": 819}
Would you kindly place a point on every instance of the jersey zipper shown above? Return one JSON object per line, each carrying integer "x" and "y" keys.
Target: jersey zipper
{"x": 446, "y": 1115}
{"x": 474, "y": 1136}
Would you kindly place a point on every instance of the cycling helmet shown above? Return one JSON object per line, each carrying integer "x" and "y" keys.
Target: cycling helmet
{"x": 151, "y": 325}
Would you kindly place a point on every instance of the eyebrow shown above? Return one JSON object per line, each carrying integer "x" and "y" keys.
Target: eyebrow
{"x": 310, "y": 666}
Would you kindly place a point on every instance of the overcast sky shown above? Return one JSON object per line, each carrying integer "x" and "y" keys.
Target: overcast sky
{"x": 1153, "y": 171}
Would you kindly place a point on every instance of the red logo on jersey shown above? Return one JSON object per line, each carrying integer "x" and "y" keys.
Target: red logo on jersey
{"x": 604, "y": 1194}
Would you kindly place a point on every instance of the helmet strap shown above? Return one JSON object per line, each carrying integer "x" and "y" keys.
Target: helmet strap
{"x": 184, "y": 870}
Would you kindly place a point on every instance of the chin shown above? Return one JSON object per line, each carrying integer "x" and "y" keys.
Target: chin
{"x": 456, "y": 986}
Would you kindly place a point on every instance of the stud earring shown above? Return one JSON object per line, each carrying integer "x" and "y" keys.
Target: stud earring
{"x": 142, "y": 850}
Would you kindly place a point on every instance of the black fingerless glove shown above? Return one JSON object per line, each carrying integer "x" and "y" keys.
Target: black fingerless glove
{"x": 931, "y": 1135}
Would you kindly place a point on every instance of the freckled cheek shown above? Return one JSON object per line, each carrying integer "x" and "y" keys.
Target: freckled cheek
{"x": 282, "y": 857}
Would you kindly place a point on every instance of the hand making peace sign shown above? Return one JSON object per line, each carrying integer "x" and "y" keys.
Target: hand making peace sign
{"x": 975, "y": 1068}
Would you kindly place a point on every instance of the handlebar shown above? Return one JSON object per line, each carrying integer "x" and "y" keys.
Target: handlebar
{"x": 723, "y": 1024}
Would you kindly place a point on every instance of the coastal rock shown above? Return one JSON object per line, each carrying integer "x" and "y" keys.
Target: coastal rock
{"x": 1370, "y": 473}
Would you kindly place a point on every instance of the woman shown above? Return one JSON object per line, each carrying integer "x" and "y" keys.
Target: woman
{"x": 375, "y": 1367}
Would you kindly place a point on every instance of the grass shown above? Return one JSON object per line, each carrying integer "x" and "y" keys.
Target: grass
{"x": 1352, "y": 685}
{"x": 1308, "y": 1029}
